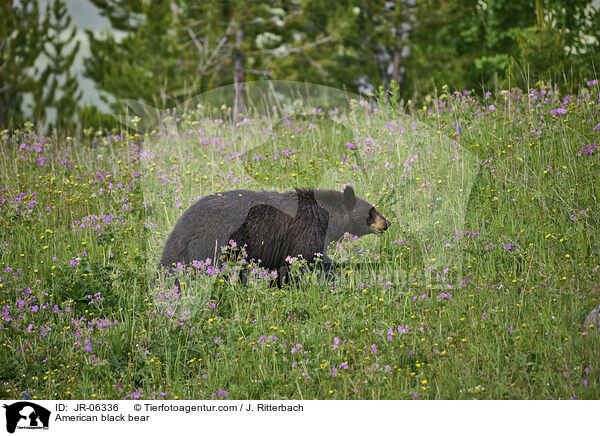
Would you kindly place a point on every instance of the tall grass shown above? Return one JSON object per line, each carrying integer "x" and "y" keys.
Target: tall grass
{"x": 478, "y": 290}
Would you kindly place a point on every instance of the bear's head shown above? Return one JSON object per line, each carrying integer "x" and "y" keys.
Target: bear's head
{"x": 363, "y": 217}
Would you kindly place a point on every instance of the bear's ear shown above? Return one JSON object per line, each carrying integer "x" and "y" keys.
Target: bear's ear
{"x": 348, "y": 198}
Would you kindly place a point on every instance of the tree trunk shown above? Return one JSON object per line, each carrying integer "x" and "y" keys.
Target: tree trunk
{"x": 396, "y": 66}
{"x": 402, "y": 46}
{"x": 239, "y": 73}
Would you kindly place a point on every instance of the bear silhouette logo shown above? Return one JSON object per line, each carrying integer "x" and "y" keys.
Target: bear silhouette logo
{"x": 26, "y": 415}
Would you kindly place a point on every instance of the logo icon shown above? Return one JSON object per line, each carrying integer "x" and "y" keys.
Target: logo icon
{"x": 26, "y": 415}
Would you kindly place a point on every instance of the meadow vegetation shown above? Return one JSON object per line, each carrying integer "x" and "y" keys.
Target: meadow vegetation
{"x": 478, "y": 290}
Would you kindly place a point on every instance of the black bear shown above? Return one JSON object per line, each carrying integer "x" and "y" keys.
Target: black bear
{"x": 271, "y": 226}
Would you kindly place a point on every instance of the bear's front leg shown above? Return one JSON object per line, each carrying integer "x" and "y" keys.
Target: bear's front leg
{"x": 283, "y": 274}
{"x": 243, "y": 276}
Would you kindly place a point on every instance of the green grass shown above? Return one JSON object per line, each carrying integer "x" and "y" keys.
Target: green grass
{"x": 478, "y": 290}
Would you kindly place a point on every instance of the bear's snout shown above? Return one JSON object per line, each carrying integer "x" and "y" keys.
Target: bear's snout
{"x": 380, "y": 223}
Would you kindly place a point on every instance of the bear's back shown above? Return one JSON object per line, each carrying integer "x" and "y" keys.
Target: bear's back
{"x": 209, "y": 223}
{"x": 270, "y": 235}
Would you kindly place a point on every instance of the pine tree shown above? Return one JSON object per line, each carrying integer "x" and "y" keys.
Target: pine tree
{"x": 22, "y": 37}
{"x": 342, "y": 44}
{"x": 56, "y": 87}
{"x": 123, "y": 14}
{"x": 229, "y": 30}
{"x": 143, "y": 65}
{"x": 235, "y": 41}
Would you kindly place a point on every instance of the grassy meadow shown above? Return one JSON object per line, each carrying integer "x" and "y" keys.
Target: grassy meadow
{"x": 478, "y": 290}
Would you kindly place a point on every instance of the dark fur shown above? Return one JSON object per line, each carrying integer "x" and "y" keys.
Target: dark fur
{"x": 271, "y": 225}
{"x": 270, "y": 235}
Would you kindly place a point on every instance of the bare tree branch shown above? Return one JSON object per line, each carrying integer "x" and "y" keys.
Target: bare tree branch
{"x": 2, "y": 48}
{"x": 293, "y": 49}
{"x": 207, "y": 61}
{"x": 195, "y": 40}
{"x": 318, "y": 66}
{"x": 261, "y": 72}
